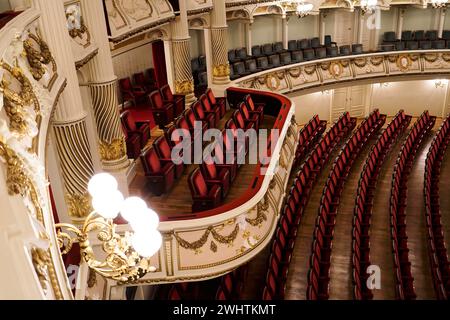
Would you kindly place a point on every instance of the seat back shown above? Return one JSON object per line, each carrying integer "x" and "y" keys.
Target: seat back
{"x": 203, "y": 78}
{"x": 231, "y": 55}
{"x": 315, "y": 42}
{"x": 297, "y": 56}
{"x": 292, "y": 45}
{"x": 419, "y": 35}
{"x": 321, "y": 52}
{"x": 389, "y": 36}
{"x": 250, "y": 65}
{"x": 267, "y": 49}
{"x": 241, "y": 53}
{"x": 285, "y": 58}
{"x": 197, "y": 184}
{"x": 139, "y": 78}
{"x": 327, "y": 40}
{"x": 278, "y": 47}
{"x": 166, "y": 92}
{"x": 431, "y": 35}
{"x": 407, "y": 35}
{"x": 128, "y": 121}
{"x": 195, "y": 65}
{"x": 190, "y": 117}
{"x": 446, "y": 34}
{"x": 274, "y": 60}
{"x": 239, "y": 119}
{"x": 205, "y": 103}
{"x": 198, "y": 110}
{"x": 263, "y": 62}
{"x": 332, "y": 51}
{"x": 344, "y": 50}
{"x": 303, "y": 44}
{"x": 125, "y": 84}
{"x": 150, "y": 161}
{"x": 308, "y": 54}
{"x": 239, "y": 68}
{"x": 357, "y": 48}
{"x": 412, "y": 45}
{"x": 156, "y": 99}
{"x": 256, "y": 51}
{"x": 162, "y": 147}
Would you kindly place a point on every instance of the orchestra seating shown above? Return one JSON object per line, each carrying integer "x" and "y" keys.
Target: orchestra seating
{"x": 308, "y": 137}
{"x": 402, "y": 266}
{"x": 163, "y": 111}
{"x": 364, "y": 203}
{"x": 318, "y": 275}
{"x": 437, "y": 249}
{"x": 306, "y": 177}
{"x": 231, "y": 284}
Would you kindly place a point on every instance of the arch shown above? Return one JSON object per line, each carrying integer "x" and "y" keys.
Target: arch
{"x": 198, "y": 23}
{"x": 157, "y": 34}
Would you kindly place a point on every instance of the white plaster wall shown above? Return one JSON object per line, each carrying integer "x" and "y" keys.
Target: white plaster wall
{"x": 234, "y": 38}
{"x": 126, "y": 63}
{"x": 300, "y": 28}
{"x": 197, "y": 43}
{"x": 266, "y": 29}
{"x": 419, "y": 19}
{"x": 311, "y": 104}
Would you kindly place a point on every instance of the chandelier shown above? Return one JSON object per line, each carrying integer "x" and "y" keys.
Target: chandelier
{"x": 125, "y": 258}
{"x": 368, "y": 6}
{"x": 438, "y": 3}
{"x": 301, "y": 8}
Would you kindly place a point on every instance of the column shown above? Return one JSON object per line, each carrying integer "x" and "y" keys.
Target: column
{"x": 219, "y": 43}
{"x": 103, "y": 90}
{"x": 441, "y": 21}
{"x": 361, "y": 21}
{"x": 248, "y": 37}
{"x": 322, "y": 17}
{"x": 69, "y": 122}
{"x": 183, "y": 80}
{"x": 285, "y": 30}
{"x": 401, "y": 14}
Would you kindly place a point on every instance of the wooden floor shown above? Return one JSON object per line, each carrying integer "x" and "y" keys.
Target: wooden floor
{"x": 179, "y": 197}
{"x": 380, "y": 235}
{"x": 416, "y": 227}
{"x": 341, "y": 281}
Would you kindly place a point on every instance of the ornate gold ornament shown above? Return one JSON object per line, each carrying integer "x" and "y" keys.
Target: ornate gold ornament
{"x": 403, "y": 62}
{"x": 309, "y": 70}
{"x": 222, "y": 70}
{"x": 122, "y": 263}
{"x": 446, "y": 57}
{"x": 196, "y": 245}
{"x": 272, "y": 82}
{"x": 376, "y": 61}
{"x": 336, "y": 69}
{"x": 14, "y": 108}
{"x": 431, "y": 57}
{"x": 184, "y": 87}
{"x": 41, "y": 259}
{"x": 113, "y": 151}
{"x": 79, "y": 206}
{"x": 360, "y": 62}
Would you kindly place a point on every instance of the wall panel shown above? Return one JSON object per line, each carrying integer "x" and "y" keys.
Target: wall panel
{"x": 132, "y": 61}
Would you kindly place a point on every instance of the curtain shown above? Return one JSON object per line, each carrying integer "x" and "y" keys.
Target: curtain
{"x": 159, "y": 63}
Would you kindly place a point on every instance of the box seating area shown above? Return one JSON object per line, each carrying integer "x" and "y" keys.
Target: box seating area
{"x": 273, "y": 55}
{"x": 364, "y": 203}
{"x": 318, "y": 275}
{"x": 209, "y": 184}
{"x": 402, "y": 266}
{"x": 137, "y": 134}
{"x": 286, "y": 232}
{"x": 437, "y": 249}
{"x": 136, "y": 91}
{"x": 415, "y": 40}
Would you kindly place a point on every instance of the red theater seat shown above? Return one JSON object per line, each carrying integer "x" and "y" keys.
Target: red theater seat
{"x": 207, "y": 107}
{"x": 205, "y": 196}
{"x": 201, "y": 115}
{"x": 177, "y": 100}
{"x": 217, "y": 103}
{"x": 216, "y": 175}
{"x": 142, "y": 129}
{"x": 131, "y": 93}
{"x": 160, "y": 173}
{"x": 164, "y": 151}
{"x": 163, "y": 112}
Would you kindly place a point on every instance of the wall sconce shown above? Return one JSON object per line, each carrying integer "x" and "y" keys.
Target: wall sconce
{"x": 325, "y": 92}
{"x": 384, "y": 84}
{"x": 438, "y": 3}
{"x": 440, "y": 83}
{"x": 126, "y": 257}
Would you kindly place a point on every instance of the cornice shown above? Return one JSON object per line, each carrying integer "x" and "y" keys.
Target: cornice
{"x": 134, "y": 32}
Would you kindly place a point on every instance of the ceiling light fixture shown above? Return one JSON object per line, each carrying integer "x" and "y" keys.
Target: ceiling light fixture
{"x": 438, "y": 3}
{"x": 301, "y": 8}
{"x": 368, "y": 6}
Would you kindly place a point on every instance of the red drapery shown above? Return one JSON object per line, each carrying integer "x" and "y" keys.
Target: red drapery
{"x": 159, "y": 63}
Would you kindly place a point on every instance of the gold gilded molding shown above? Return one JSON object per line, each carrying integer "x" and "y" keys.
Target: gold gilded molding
{"x": 79, "y": 206}
{"x": 14, "y": 108}
{"x": 41, "y": 259}
{"x": 272, "y": 82}
{"x": 113, "y": 151}
{"x": 336, "y": 69}
{"x": 403, "y": 62}
{"x": 221, "y": 70}
{"x": 184, "y": 87}
{"x": 81, "y": 63}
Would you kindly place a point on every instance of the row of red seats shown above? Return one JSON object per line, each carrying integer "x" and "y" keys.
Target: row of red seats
{"x": 296, "y": 201}
{"x": 159, "y": 168}
{"x": 209, "y": 184}
{"x": 402, "y": 265}
{"x": 436, "y": 244}
{"x": 318, "y": 275}
{"x": 165, "y": 105}
{"x": 308, "y": 137}
{"x": 364, "y": 203}
{"x": 137, "y": 134}
{"x": 232, "y": 284}
{"x": 144, "y": 83}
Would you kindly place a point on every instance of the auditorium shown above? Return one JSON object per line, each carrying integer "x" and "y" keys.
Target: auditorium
{"x": 224, "y": 151}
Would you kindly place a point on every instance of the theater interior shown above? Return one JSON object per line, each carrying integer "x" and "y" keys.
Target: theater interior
{"x": 224, "y": 150}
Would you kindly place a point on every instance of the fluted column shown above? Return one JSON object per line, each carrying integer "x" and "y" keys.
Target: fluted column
{"x": 219, "y": 43}
{"x": 441, "y": 21}
{"x": 103, "y": 88}
{"x": 401, "y": 14}
{"x": 285, "y": 30}
{"x": 322, "y": 21}
{"x": 183, "y": 80}
{"x": 248, "y": 37}
{"x": 69, "y": 122}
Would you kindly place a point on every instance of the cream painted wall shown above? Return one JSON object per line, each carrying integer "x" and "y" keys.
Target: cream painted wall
{"x": 311, "y": 104}
{"x": 420, "y": 19}
{"x": 197, "y": 43}
{"x": 234, "y": 39}
{"x": 266, "y": 29}
{"x": 4, "y": 6}
{"x": 300, "y": 28}
{"x": 132, "y": 61}
{"x": 412, "y": 96}
{"x": 387, "y": 21}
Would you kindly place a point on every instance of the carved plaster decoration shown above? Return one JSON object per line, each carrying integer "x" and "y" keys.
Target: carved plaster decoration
{"x": 76, "y": 26}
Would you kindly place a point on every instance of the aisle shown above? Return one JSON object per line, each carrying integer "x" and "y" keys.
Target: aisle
{"x": 297, "y": 283}
{"x": 380, "y": 234}
{"x": 341, "y": 282}
{"x": 416, "y": 227}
